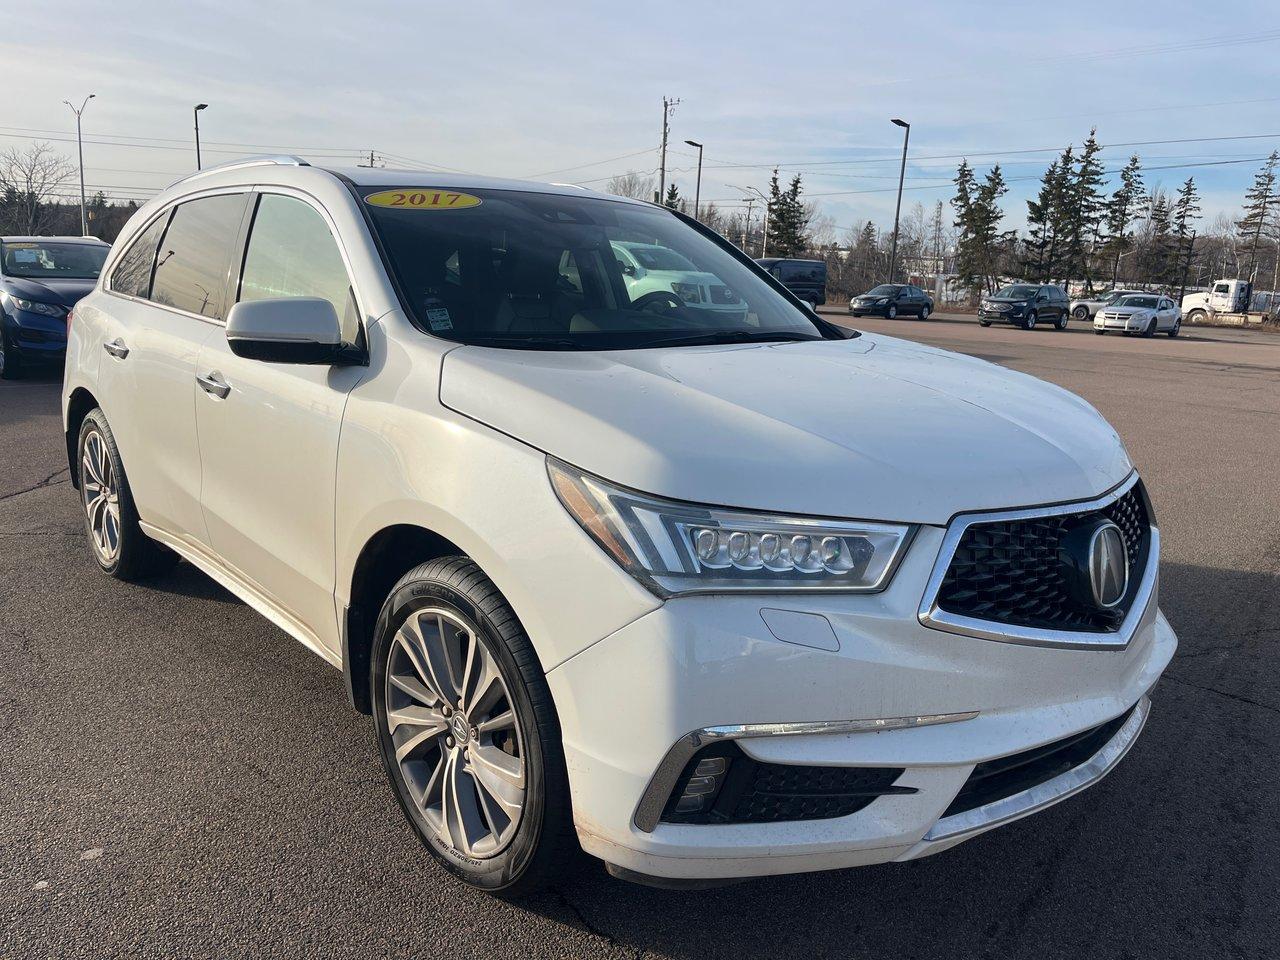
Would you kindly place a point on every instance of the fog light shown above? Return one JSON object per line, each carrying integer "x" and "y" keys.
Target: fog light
{"x": 703, "y": 785}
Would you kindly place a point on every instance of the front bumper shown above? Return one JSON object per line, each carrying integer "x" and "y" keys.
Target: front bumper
{"x": 1004, "y": 316}
{"x": 709, "y": 662}
{"x": 36, "y": 338}
{"x": 1127, "y": 325}
{"x": 858, "y": 310}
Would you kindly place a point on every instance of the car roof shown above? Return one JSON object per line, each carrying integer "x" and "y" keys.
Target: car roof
{"x": 51, "y": 239}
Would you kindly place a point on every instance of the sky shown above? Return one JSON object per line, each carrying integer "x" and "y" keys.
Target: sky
{"x": 572, "y": 91}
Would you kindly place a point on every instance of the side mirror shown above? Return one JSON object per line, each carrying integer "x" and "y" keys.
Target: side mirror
{"x": 286, "y": 330}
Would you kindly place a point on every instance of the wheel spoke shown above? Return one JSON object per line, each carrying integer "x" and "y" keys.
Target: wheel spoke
{"x": 503, "y": 721}
{"x": 488, "y": 759}
{"x": 414, "y": 742}
{"x": 508, "y": 793}
{"x": 411, "y": 642}
{"x": 414, "y": 687}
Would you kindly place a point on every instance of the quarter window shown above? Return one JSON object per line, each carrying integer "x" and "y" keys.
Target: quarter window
{"x": 292, "y": 253}
{"x": 132, "y": 275}
{"x": 195, "y": 254}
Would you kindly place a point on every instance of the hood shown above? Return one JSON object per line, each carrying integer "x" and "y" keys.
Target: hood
{"x": 1009, "y": 299}
{"x": 64, "y": 292}
{"x": 871, "y": 428}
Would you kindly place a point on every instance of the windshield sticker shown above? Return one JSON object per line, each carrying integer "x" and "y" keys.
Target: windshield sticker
{"x": 439, "y": 319}
{"x": 423, "y": 198}
{"x": 25, "y": 256}
{"x": 22, "y": 246}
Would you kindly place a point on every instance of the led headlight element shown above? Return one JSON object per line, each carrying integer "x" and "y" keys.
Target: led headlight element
{"x": 674, "y": 547}
{"x": 35, "y": 306}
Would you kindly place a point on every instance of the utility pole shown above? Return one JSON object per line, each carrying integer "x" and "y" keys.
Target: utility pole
{"x": 84, "y": 220}
{"x": 370, "y": 164}
{"x": 668, "y": 104}
{"x": 196, "y": 114}
{"x": 902, "y": 173}
{"x": 1182, "y": 288}
{"x": 764, "y": 248}
{"x": 697, "y": 190}
{"x": 746, "y": 230}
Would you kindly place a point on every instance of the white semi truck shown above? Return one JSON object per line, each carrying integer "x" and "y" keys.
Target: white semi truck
{"x": 1224, "y": 297}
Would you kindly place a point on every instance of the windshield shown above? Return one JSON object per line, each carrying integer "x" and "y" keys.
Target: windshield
{"x": 50, "y": 260}
{"x": 1147, "y": 302}
{"x": 884, "y": 290}
{"x": 1017, "y": 292}
{"x": 544, "y": 271}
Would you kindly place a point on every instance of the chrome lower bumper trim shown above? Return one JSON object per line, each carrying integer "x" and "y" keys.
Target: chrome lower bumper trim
{"x": 655, "y": 797}
{"x": 1051, "y": 791}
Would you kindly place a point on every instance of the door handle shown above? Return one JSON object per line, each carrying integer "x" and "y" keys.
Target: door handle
{"x": 214, "y": 385}
{"x": 116, "y": 348}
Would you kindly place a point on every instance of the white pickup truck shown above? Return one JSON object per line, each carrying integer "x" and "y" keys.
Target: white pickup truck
{"x": 1225, "y": 296}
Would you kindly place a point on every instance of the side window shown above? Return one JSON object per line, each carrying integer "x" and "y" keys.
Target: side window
{"x": 132, "y": 275}
{"x": 191, "y": 267}
{"x": 291, "y": 253}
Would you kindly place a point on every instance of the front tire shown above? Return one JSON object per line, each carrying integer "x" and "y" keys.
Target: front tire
{"x": 1176, "y": 328}
{"x": 1150, "y": 330}
{"x": 1030, "y": 322}
{"x": 984, "y": 322}
{"x": 10, "y": 365}
{"x": 121, "y": 548}
{"x": 468, "y": 733}
{"x": 891, "y": 312}
{"x": 1197, "y": 316}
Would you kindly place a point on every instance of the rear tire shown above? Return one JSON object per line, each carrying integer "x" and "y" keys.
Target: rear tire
{"x": 10, "y": 365}
{"x": 924, "y": 312}
{"x": 510, "y": 839}
{"x": 1081, "y": 313}
{"x": 1061, "y": 322}
{"x": 118, "y": 544}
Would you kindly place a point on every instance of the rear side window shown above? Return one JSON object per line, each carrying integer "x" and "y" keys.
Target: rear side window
{"x": 799, "y": 271}
{"x": 292, "y": 253}
{"x": 191, "y": 267}
{"x": 132, "y": 275}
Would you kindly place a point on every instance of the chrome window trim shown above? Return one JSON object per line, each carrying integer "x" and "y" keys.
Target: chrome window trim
{"x": 654, "y": 800}
{"x": 1046, "y": 794}
{"x": 932, "y": 616}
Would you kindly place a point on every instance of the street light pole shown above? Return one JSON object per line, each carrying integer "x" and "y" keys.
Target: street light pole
{"x": 897, "y": 210}
{"x": 84, "y": 220}
{"x": 697, "y": 190}
{"x": 196, "y": 113}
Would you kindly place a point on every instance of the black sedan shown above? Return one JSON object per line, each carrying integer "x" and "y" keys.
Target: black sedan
{"x": 892, "y": 300}
{"x": 41, "y": 279}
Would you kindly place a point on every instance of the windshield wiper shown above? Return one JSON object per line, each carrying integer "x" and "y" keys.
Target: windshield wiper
{"x": 730, "y": 336}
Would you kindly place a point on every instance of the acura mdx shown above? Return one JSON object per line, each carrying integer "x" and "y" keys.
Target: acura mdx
{"x": 707, "y": 593}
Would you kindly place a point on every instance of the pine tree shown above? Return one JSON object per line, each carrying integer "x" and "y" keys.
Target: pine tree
{"x": 786, "y": 218}
{"x": 673, "y": 197}
{"x": 1160, "y": 240}
{"x": 1186, "y": 210}
{"x": 978, "y": 217}
{"x": 1122, "y": 209}
{"x": 1086, "y": 208}
{"x": 1261, "y": 196}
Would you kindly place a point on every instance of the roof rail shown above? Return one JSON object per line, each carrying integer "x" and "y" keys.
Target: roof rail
{"x": 277, "y": 159}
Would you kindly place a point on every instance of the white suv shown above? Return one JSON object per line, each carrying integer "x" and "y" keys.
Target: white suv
{"x": 709, "y": 594}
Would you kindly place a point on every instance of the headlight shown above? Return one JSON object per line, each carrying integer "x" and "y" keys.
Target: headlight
{"x": 688, "y": 292}
{"x": 34, "y": 306}
{"x": 673, "y": 547}
{"x": 882, "y": 301}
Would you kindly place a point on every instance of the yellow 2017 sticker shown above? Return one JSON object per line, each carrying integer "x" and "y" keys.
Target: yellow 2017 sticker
{"x": 423, "y": 198}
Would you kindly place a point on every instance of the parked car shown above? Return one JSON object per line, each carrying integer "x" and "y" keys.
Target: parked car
{"x": 1083, "y": 308}
{"x": 807, "y": 279}
{"x": 1024, "y": 305}
{"x": 653, "y": 273}
{"x": 892, "y": 300}
{"x": 1144, "y": 313}
{"x": 41, "y": 279}
{"x": 710, "y": 597}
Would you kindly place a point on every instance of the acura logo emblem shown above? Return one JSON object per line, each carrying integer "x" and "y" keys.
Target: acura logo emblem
{"x": 1108, "y": 566}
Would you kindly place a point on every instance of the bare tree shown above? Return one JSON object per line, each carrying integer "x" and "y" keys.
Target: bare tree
{"x": 637, "y": 186}
{"x": 30, "y": 181}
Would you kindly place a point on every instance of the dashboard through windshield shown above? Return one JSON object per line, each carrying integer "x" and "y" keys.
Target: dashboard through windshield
{"x": 547, "y": 271}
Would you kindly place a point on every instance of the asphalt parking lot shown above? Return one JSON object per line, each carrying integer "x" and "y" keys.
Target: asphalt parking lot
{"x": 178, "y": 778}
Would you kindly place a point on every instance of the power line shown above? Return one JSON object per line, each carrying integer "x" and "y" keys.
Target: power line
{"x": 594, "y": 163}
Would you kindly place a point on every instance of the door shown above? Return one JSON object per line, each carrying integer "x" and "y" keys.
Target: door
{"x": 269, "y": 431}
{"x": 171, "y": 283}
{"x": 1168, "y": 315}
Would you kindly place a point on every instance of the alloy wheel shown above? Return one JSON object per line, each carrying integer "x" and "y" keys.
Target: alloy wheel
{"x": 100, "y": 492}
{"x": 457, "y": 742}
